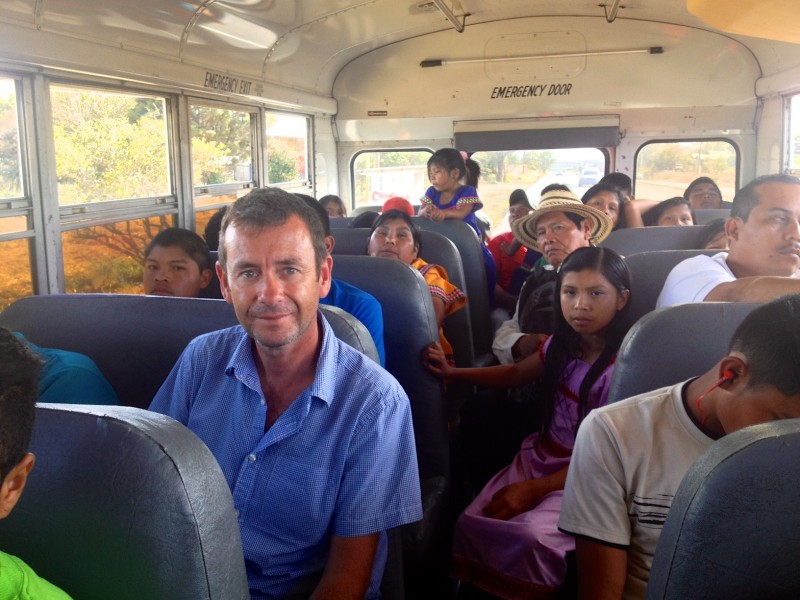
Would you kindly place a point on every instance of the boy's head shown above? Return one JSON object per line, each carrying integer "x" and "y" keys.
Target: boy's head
{"x": 176, "y": 263}
{"x": 19, "y": 389}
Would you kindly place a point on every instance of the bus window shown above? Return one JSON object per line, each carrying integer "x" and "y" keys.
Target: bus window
{"x": 10, "y": 179}
{"x": 792, "y": 151}
{"x": 531, "y": 170}
{"x": 109, "y": 145}
{"x": 665, "y": 169}
{"x": 378, "y": 175}
{"x": 15, "y": 281}
{"x": 287, "y": 148}
{"x": 222, "y": 158}
{"x": 109, "y": 258}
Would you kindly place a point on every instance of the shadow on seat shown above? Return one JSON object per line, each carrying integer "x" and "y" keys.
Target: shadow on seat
{"x": 126, "y": 504}
{"x": 136, "y": 340}
{"x": 649, "y": 270}
{"x": 647, "y": 239}
{"x": 670, "y": 345}
{"x": 732, "y": 529}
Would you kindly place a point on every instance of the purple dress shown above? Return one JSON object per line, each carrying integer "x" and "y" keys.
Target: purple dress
{"x": 524, "y": 557}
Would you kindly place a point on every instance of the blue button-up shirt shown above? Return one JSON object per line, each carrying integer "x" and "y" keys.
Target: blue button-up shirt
{"x": 339, "y": 461}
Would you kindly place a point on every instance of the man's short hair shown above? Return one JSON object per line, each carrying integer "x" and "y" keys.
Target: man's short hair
{"x": 19, "y": 389}
{"x": 271, "y": 207}
{"x": 747, "y": 197}
{"x": 186, "y": 240}
{"x": 769, "y": 338}
{"x": 319, "y": 210}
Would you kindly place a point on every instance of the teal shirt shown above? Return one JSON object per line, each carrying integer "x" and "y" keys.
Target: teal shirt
{"x": 71, "y": 378}
{"x": 19, "y": 582}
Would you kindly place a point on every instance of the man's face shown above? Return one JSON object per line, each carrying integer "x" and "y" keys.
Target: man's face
{"x": 606, "y": 202}
{"x": 704, "y": 195}
{"x": 557, "y": 236}
{"x": 517, "y": 212}
{"x": 769, "y": 242}
{"x": 272, "y": 282}
{"x": 170, "y": 271}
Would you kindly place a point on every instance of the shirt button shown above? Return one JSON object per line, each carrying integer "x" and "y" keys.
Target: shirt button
{"x": 251, "y": 457}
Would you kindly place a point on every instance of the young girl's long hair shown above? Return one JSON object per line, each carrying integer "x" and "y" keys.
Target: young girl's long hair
{"x": 450, "y": 159}
{"x": 566, "y": 342}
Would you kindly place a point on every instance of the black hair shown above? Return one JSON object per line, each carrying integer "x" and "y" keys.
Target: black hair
{"x": 365, "y": 219}
{"x": 450, "y": 159}
{"x": 747, "y": 197}
{"x": 555, "y": 187}
{"x": 271, "y": 207}
{"x": 323, "y": 215}
{"x": 651, "y": 217}
{"x": 565, "y": 344}
{"x": 710, "y": 230}
{"x": 333, "y": 198}
{"x": 519, "y": 197}
{"x": 607, "y": 186}
{"x": 211, "y": 232}
{"x": 769, "y": 337}
{"x": 620, "y": 181}
{"x": 391, "y": 215}
{"x": 186, "y": 240}
{"x": 19, "y": 390}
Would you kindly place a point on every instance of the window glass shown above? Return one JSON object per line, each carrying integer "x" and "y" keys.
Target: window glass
{"x": 109, "y": 146}
{"x": 10, "y": 178}
{"x": 109, "y": 258}
{"x": 15, "y": 277}
{"x": 379, "y": 175}
{"x": 531, "y": 170}
{"x": 665, "y": 169}
{"x": 201, "y": 219}
{"x": 222, "y": 148}
{"x": 287, "y": 148}
{"x": 793, "y": 137}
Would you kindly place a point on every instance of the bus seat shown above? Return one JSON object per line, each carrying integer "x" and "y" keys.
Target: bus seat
{"x": 706, "y": 215}
{"x": 409, "y": 326}
{"x": 371, "y": 207}
{"x": 436, "y": 249}
{"x": 672, "y": 344}
{"x": 136, "y": 340}
{"x": 469, "y": 248}
{"x": 646, "y": 239}
{"x": 732, "y": 529}
{"x": 649, "y": 270}
{"x": 126, "y": 504}
{"x": 340, "y": 222}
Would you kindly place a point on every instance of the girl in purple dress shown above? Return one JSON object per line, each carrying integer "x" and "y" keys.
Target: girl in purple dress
{"x": 507, "y": 541}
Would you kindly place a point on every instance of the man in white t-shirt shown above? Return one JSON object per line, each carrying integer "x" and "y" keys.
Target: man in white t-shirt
{"x": 630, "y": 456}
{"x": 764, "y": 235}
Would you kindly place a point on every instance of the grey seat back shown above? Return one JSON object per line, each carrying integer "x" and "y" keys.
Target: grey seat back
{"x": 649, "y": 270}
{"x": 469, "y": 248}
{"x": 732, "y": 529}
{"x": 136, "y": 340}
{"x": 706, "y": 215}
{"x": 126, "y": 504}
{"x": 436, "y": 249}
{"x": 646, "y": 239}
{"x": 672, "y": 344}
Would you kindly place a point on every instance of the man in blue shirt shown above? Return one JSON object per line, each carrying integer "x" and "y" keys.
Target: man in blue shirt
{"x": 315, "y": 439}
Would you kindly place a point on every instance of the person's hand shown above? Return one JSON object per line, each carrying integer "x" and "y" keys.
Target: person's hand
{"x": 435, "y": 360}
{"x": 514, "y": 499}
{"x": 431, "y": 212}
{"x": 526, "y": 345}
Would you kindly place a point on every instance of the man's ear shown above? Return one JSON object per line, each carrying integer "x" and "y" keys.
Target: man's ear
{"x": 12, "y": 486}
{"x": 330, "y": 242}
{"x": 586, "y": 227}
{"x": 732, "y": 226}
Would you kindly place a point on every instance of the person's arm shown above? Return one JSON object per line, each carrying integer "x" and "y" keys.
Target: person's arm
{"x": 458, "y": 212}
{"x": 520, "y": 497}
{"x": 634, "y": 209}
{"x": 753, "y": 289}
{"x": 499, "y": 376}
{"x": 347, "y": 573}
{"x": 601, "y": 570}
{"x": 439, "y": 309}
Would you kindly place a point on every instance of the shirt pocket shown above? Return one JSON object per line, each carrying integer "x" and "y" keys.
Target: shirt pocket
{"x": 298, "y": 503}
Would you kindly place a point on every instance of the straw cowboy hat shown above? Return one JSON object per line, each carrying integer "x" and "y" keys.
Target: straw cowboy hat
{"x": 558, "y": 201}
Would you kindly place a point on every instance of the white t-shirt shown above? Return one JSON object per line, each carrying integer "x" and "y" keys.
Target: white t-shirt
{"x": 628, "y": 461}
{"x": 693, "y": 279}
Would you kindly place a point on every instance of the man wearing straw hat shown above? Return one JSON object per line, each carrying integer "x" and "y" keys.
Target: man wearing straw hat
{"x": 560, "y": 225}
